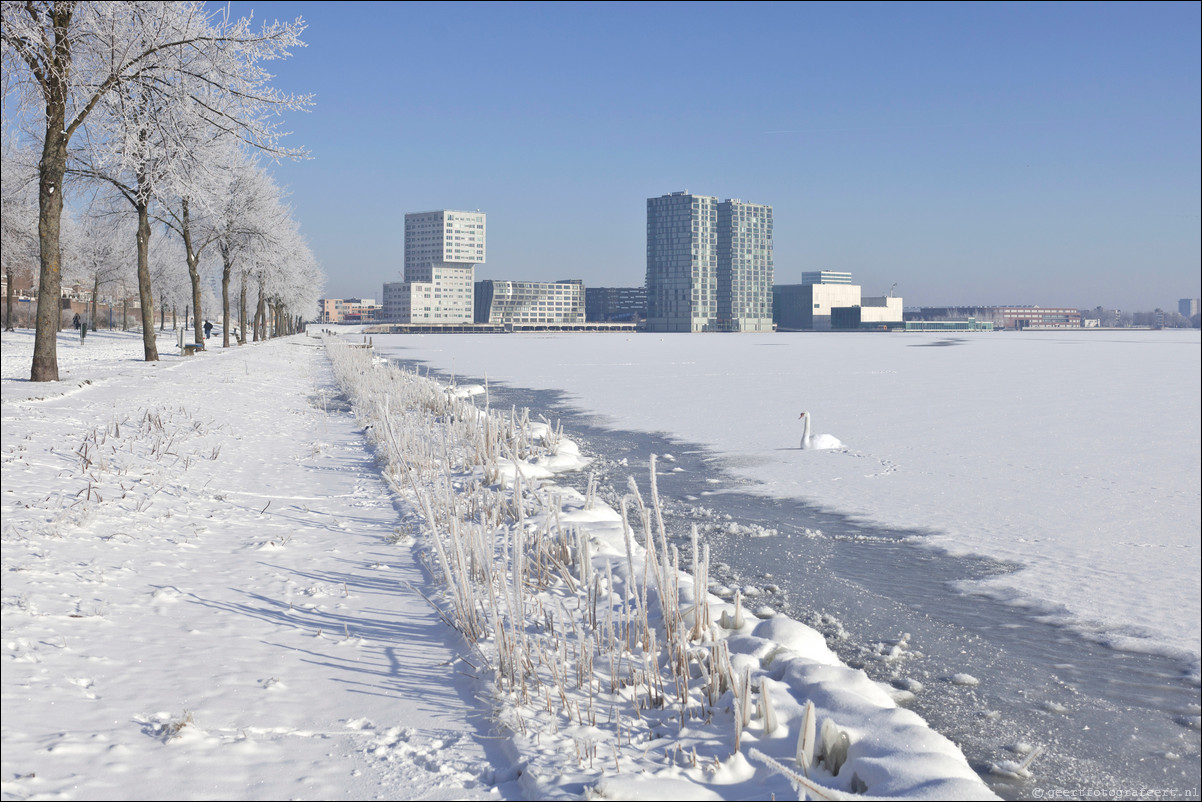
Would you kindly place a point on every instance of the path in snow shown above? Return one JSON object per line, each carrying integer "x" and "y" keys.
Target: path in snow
{"x": 203, "y": 600}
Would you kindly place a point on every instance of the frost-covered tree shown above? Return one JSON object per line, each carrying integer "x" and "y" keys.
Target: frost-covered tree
{"x": 171, "y": 287}
{"x": 78, "y": 63}
{"x": 18, "y": 222}
{"x": 286, "y": 281}
{"x": 102, "y": 253}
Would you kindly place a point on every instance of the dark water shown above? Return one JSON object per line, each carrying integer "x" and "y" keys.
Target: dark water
{"x": 1112, "y": 724}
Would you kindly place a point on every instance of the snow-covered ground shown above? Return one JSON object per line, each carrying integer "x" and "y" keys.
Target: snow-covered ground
{"x": 1074, "y": 455}
{"x": 211, "y": 591}
{"x": 200, "y": 595}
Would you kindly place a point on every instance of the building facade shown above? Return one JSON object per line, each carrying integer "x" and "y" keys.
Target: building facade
{"x": 530, "y": 303}
{"x": 442, "y": 249}
{"x": 615, "y": 304}
{"x": 347, "y": 310}
{"x": 827, "y": 300}
{"x": 1041, "y": 317}
{"x": 1005, "y": 317}
{"x": 808, "y": 307}
{"x": 825, "y": 277}
{"x": 744, "y": 266}
{"x": 709, "y": 264}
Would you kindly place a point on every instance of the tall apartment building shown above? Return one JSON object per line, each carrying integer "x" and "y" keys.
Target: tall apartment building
{"x": 709, "y": 264}
{"x": 442, "y": 249}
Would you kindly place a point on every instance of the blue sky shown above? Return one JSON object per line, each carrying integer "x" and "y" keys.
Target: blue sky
{"x": 973, "y": 154}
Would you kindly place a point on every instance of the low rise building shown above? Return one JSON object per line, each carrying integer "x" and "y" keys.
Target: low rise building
{"x": 347, "y": 310}
{"x": 873, "y": 314}
{"x": 530, "y": 303}
{"x": 1013, "y": 318}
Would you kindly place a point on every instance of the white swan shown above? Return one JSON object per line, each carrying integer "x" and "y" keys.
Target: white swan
{"x": 817, "y": 440}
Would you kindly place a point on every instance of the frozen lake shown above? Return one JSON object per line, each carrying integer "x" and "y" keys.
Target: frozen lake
{"x": 1018, "y": 503}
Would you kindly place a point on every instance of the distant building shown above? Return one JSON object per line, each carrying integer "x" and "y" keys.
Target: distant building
{"x": 827, "y": 300}
{"x": 709, "y": 264}
{"x": 526, "y": 303}
{"x": 615, "y": 304}
{"x": 1014, "y": 318}
{"x": 807, "y": 307}
{"x": 971, "y": 324}
{"x": 872, "y": 314}
{"x": 347, "y": 310}
{"x": 825, "y": 277}
{"x": 1188, "y": 307}
{"x": 1035, "y": 317}
{"x": 745, "y": 270}
{"x": 442, "y": 249}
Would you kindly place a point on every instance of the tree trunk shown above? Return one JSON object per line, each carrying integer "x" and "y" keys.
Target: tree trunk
{"x": 261, "y": 316}
{"x": 51, "y": 170}
{"x": 145, "y": 293}
{"x": 193, "y": 273}
{"x": 8, "y": 304}
{"x": 95, "y": 294}
{"x": 242, "y": 310}
{"x": 226, "y": 266}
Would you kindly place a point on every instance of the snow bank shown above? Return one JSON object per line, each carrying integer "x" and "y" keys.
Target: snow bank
{"x": 615, "y": 671}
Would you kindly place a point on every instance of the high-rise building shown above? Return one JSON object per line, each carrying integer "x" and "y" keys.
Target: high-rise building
{"x": 1187, "y": 307}
{"x": 709, "y": 264}
{"x": 744, "y": 266}
{"x": 442, "y": 250}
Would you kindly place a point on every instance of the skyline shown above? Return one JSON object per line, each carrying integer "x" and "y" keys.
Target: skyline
{"x": 973, "y": 154}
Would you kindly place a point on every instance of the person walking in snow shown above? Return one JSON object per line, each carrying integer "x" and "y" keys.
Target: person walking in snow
{"x": 208, "y": 329}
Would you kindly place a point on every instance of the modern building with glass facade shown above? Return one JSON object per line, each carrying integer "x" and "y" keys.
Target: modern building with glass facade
{"x": 530, "y": 303}
{"x": 744, "y": 266}
{"x": 442, "y": 249}
{"x": 825, "y": 277}
{"x": 709, "y": 264}
{"x": 615, "y": 304}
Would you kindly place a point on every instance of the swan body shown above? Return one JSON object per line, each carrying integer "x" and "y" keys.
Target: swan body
{"x": 817, "y": 441}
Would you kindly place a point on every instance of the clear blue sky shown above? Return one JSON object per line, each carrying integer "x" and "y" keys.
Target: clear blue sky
{"x": 974, "y": 154}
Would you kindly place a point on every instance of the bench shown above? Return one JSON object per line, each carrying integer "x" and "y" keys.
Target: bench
{"x": 192, "y": 348}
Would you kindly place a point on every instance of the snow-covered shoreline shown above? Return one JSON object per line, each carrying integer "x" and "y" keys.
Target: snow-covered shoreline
{"x": 731, "y": 664}
{"x": 54, "y": 557}
{"x": 1073, "y": 455}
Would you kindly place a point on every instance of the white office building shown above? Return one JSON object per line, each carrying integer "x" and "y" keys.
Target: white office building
{"x": 442, "y": 249}
{"x": 709, "y": 264}
{"x": 530, "y": 303}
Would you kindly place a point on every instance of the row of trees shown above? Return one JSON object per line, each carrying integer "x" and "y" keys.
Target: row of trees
{"x": 155, "y": 116}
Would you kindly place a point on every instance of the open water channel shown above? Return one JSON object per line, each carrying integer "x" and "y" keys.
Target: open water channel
{"x": 992, "y": 677}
